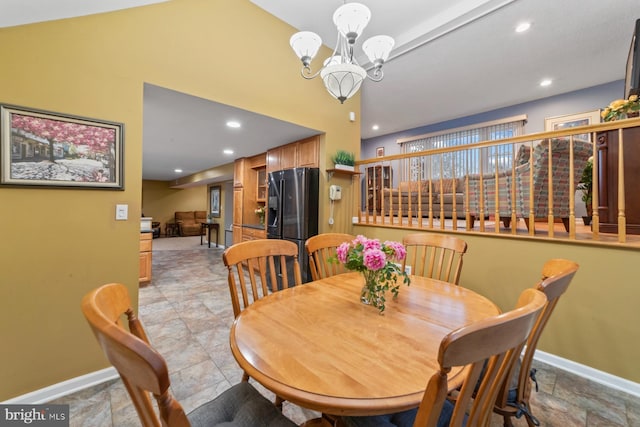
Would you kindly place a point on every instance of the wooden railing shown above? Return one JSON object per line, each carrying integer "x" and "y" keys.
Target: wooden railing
{"x": 489, "y": 186}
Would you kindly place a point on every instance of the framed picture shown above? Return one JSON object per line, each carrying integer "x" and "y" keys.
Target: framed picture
{"x": 215, "y": 201}
{"x": 44, "y": 149}
{"x": 571, "y": 121}
{"x": 380, "y": 152}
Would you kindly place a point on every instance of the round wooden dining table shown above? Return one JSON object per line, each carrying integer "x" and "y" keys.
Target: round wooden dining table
{"x": 316, "y": 345}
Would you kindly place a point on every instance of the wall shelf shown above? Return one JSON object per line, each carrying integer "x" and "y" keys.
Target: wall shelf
{"x": 330, "y": 172}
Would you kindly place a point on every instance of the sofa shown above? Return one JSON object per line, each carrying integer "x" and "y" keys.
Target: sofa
{"x": 413, "y": 198}
{"x": 189, "y": 222}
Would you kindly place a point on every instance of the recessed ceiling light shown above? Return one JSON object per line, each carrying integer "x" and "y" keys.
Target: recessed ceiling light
{"x": 233, "y": 124}
{"x": 227, "y": 151}
{"x": 545, "y": 82}
{"x": 375, "y": 127}
{"x": 522, "y": 27}
{"x": 177, "y": 170}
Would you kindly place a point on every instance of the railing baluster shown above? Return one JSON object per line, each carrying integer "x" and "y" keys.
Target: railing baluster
{"x": 595, "y": 189}
{"x": 622, "y": 220}
{"x": 572, "y": 194}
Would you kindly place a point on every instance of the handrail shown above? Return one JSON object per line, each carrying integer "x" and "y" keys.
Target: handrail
{"x": 467, "y": 183}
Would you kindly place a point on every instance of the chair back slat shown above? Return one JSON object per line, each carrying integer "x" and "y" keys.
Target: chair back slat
{"x": 498, "y": 340}
{"x": 321, "y": 249}
{"x": 269, "y": 265}
{"x": 435, "y": 256}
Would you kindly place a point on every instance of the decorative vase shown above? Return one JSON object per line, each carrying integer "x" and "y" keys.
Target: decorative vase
{"x": 261, "y": 219}
{"x": 370, "y": 293}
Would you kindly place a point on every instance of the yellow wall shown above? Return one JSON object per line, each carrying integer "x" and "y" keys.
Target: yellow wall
{"x": 60, "y": 243}
{"x": 160, "y": 201}
{"x": 595, "y": 322}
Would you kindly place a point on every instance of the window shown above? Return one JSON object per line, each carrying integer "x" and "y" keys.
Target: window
{"x": 461, "y": 162}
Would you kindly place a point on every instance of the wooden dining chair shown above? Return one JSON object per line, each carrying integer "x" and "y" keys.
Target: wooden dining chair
{"x": 513, "y": 398}
{"x": 488, "y": 347}
{"x": 320, "y": 249}
{"x": 257, "y": 267}
{"x": 436, "y": 256}
{"x": 144, "y": 372}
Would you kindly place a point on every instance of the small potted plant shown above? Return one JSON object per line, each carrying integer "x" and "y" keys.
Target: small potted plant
{"x": 586, "y": 186}
{"x": 344, "y": 160}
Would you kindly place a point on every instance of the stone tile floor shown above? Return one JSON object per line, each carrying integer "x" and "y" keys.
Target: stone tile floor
{"x": 187, "y": 314}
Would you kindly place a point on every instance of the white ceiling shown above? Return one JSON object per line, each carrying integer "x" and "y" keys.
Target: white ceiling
{"x": 451, "y": 59}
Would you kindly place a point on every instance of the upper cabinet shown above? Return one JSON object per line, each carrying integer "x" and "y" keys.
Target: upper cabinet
{"x": 308, "y": 152}
{"x": 261, "y": 191}
{"x": 238, "y": 172}
{"x": 303, "y": 153}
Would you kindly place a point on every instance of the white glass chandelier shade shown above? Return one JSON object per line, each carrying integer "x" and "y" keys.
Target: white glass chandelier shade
{"x": 378, "y": 48}
{"x": 341, "y": 73}
{"x": 305, "y": 44}
{"x": 351, "y": 19}
{"x": 342, "y": 80}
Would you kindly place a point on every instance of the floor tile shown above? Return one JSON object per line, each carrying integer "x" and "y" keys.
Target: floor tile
{"x": 187, "y": 314}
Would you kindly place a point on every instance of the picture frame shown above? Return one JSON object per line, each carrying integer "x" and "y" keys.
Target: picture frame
{"x": 214, "y": 197}
{"x": 573, "y": 120}
{"x": 46, "y": 149}
{"x": 380, "y": 152}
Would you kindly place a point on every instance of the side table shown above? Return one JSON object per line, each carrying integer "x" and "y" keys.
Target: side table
{"x": 171, "y": 229}
{"x": 208, "y": 226}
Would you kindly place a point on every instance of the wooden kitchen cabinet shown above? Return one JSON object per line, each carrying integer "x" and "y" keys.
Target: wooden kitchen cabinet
{"x": 299, "y": 154}
{"x": 249, "y": 233}
{"x": 146, "y": 243}
{"x": 238, "y": 172}
{"x": 308, "y": 152}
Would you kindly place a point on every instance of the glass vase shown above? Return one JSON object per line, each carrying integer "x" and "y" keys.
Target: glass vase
{"x": 370, "y": 294}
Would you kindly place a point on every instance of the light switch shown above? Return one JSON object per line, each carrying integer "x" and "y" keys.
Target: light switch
{"x": 122, "y": 212}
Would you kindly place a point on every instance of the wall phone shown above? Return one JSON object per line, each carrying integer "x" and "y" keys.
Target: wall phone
{"x": 335, "y": 192}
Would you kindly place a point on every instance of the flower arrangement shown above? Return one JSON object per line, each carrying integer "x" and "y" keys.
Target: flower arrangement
{"x": 621, "y": 109}
{"x": 377, "y": 262}
{"x": 260, "y": 210}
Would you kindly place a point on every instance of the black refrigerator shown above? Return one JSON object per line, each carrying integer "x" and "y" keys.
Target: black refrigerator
{"x": 293, "y": 209}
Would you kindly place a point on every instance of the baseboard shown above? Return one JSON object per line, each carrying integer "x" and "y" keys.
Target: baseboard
{"x": 73, "y": 385}
{"x": 589, "y": 373}
{"x": 64, "y": 388}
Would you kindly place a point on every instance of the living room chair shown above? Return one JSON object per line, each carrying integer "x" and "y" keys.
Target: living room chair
{"x": 513, "y": 398}
{"x": 498, "y": 340}
{"x": 534, "y": 189}
{"x": 144, "y": 372}
{"x": 321, "y": 248}
{"x": 436, "y": 256}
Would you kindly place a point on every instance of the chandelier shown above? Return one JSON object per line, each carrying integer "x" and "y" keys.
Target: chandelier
{"x": 341, "y": 73}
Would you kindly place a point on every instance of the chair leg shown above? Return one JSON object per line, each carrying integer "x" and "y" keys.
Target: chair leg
{"x": 507, "y": 421}
{"x": 506, "y": 220}
{"x": 245, "y": 377}
{"x": 278, "y": 403}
